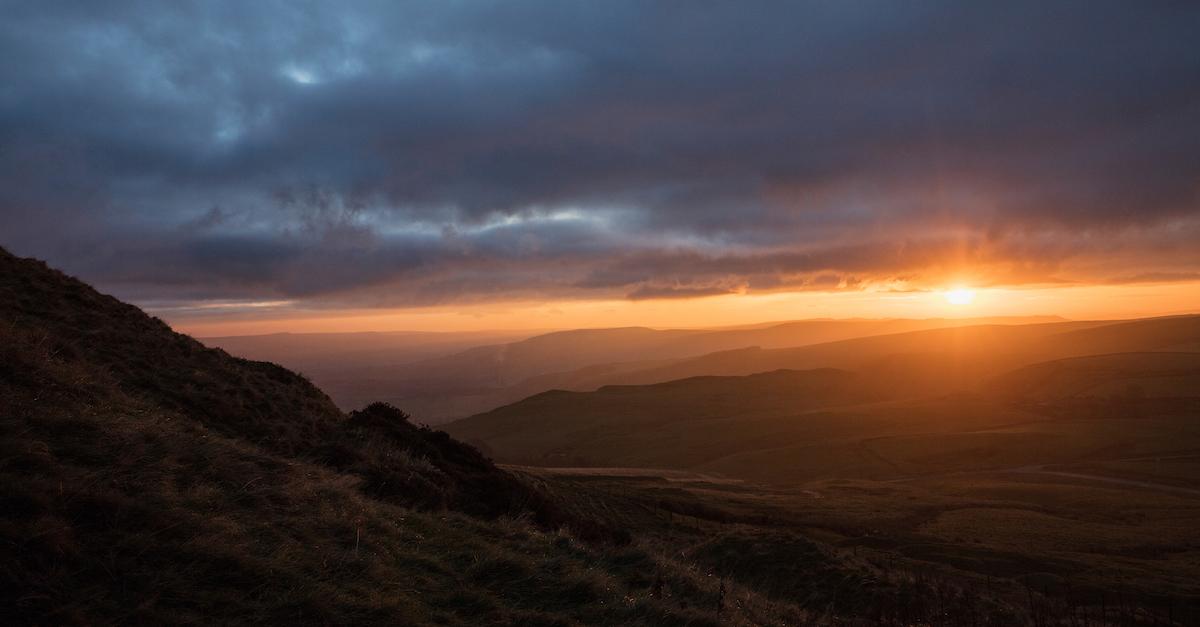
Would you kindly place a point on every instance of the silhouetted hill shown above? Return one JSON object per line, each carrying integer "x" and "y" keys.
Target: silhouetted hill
{"x": 145, "y": 478}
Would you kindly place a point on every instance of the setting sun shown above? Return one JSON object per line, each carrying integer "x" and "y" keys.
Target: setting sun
{"x": 960, "y": 296}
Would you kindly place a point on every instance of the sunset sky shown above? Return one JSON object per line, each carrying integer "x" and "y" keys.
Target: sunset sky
{"x": 250, "y": 167}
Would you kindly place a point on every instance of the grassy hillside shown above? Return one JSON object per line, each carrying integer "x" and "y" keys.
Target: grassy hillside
{"x": 675, "y": 424}
{"x": 1064, "y": 550}
{"x": 147, "y": 479}
{"x": 258, "y": 403}
{"x": 770, "y": 434}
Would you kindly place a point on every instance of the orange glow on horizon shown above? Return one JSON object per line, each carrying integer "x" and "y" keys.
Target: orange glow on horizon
{"x": 1074, "y": 302}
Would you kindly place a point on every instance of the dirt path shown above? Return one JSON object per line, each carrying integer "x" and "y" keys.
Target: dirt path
{"x": 1041, "y": 470}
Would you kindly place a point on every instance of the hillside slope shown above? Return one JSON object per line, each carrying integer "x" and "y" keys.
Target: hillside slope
{"x": 147, "y": 479}
{"x": 1149, "y": 374}
{"x": 777, "y": 427}
{"x": 665, "y": 425}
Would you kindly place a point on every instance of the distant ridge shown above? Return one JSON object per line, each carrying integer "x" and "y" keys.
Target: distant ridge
{"x": 357, "y": 369}
{"x": 763, "y": 417}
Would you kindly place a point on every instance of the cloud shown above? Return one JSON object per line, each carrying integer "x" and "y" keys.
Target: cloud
{"x": 406, "y": 153}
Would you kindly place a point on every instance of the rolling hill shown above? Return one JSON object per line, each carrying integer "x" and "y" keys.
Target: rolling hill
{"x": 664, "y": 425}
{"x": 926, "y": 361}
{"x": 778, "y": 427}
{"x": 904, "y": 404}
{"x": 1154, "y": 375}
{"x": 358, "y": 368}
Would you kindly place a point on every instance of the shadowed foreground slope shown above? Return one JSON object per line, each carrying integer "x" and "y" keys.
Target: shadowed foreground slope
{"x": 147, "y": 479}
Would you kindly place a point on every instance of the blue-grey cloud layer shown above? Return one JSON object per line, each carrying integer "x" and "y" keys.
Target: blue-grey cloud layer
{"x": 390, "y": 153}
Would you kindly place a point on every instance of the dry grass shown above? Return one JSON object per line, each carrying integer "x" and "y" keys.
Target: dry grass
{"x": 147, "y": 480}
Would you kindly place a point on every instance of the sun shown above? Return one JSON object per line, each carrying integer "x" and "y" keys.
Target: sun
{"x": 960, "y": 296}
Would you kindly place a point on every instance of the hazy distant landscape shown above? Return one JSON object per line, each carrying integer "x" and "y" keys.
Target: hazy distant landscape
{"x": 444, "y": 376}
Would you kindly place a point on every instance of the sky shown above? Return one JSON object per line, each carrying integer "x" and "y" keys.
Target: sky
{"x": 244, "y": 167}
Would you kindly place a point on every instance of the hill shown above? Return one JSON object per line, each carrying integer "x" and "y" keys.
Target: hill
{"x": 513, "y": 362}
{"x": 145, "y": 478}
{"x": 780, "y": 427}
{"x": 1154, "y": 375}
{"x": 668, "y": 425}
{"x": 918, "y": 362}
{"x": 901, "y": 414}
{"x": 398, "y": 367}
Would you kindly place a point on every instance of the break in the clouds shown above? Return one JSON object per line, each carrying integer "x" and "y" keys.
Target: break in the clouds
{"x": 411, "y": 153}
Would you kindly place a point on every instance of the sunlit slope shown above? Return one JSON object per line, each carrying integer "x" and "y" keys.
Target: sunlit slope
{"x": 928, "y": 361}
{"x": 764, "y": 434}
{"x": 891, "y": 420}
{"x": 888, "y": 451}
{"x": 1151, "y": 375}
{"x": 1104, "y": 407}
{"x": 678, "y": 423}
{"x": 513, "y": 362}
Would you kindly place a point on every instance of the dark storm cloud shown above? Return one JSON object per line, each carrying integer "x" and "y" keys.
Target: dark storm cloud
{"x": 390, "y": 153}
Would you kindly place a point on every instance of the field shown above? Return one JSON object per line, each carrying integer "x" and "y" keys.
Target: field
{"x": 1035, "y": 541}
{"x": 765, "y": 439}
{"x": 1079, "y": 510}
